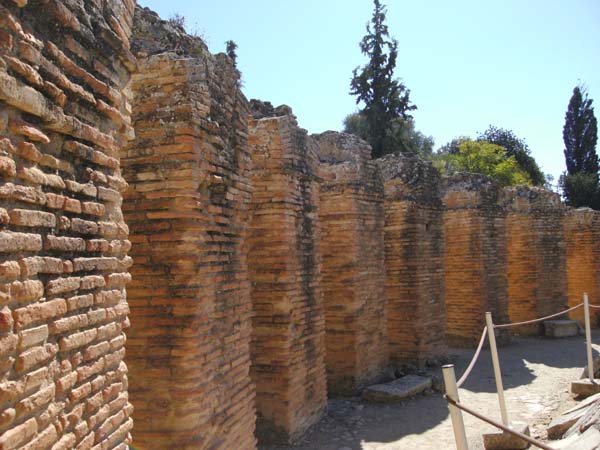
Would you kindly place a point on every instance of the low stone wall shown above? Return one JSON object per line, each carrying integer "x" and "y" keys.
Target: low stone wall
{"x": 536, "y": 256}
{"x": 188, "y": 209}
{"x": 582, "y": 236}
{"x": 352, "y": 220}
{"x": 474, "y": 257}
{"x": 414, "y": 262}
{"x": 284, "y": 258}
{"x": 63, "y": 242}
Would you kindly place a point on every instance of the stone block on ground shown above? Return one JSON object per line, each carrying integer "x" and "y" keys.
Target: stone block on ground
{"x": 397, "y": 390}
{"x": 502, "y": 440}
{"x": 561, "y": 328}
{"x": 585, "y": 387}
{"x": 588, "y": 440}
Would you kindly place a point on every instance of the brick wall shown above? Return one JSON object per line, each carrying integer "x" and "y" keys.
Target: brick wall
{"x": 475, "y": 257}
{"x": 536, "y": 255}
{"x": 187, "y": 207}
{"x": 582, "y": 236}
{"x": 352, "y": 220}
{"x": 63, "y": 242}
{"x": 414, "y": 248}
{"x": 285, "y": 270}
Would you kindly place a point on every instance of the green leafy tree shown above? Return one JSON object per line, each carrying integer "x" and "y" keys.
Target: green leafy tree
{"x": 385, "y": 98}
{"x": 484, "y": 158}
{"x": 580, "y": 135}
{"x": 517, "y": 148}
{"x": 403, "y": 137}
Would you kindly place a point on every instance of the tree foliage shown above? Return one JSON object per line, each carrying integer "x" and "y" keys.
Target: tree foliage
{"x": 484, "y": 158}
{"x": 517, "y": 148}
{"x": 403, "y": 137}
{"x": 385, "y": 98}
{"x": 230, "y": 50}
{"x": 580, "y": 135}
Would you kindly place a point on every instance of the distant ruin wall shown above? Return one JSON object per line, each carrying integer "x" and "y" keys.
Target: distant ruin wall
{"x": 474, "y": 257}
{"x": 63, "y": 242}
{"x": 188, "y": 208}
{"x": 582, "y": 235}
{"x": 352, "y": 221}
{"x": 414, "y": 262}
{"x": 536, "y": 255}
{"x": 284, "y": 259}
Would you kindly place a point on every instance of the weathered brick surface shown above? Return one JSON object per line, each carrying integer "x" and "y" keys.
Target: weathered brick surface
{"x": 414, "y": 260}
{"x": 63, "y": 120}
{"x": 187, "y": 207}
{"x": 582, "y": 236}
{"x": 474, "y": 257}
{"x": 352, "y": 219}
{"x": 284, "y": 261}
{"x": 536, "y": 255}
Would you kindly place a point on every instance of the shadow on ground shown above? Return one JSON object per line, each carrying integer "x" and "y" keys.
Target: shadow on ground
{"x": 350, "y": 422}
{"x": 517, "y": 357}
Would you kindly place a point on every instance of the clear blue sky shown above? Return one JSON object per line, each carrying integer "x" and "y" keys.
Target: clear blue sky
{"x": 468, "y": 63}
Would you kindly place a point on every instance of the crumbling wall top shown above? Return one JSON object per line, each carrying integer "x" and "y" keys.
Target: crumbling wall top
{"x": 153, "y": 35}
{"x": 471, "y": 190}
{"x": 408, "y": 177}
{"x": 526, "y": 199}
{"x": 346, "y": 160}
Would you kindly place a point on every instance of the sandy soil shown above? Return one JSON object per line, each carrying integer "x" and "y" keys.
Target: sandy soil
{"x": 537, "y": 373}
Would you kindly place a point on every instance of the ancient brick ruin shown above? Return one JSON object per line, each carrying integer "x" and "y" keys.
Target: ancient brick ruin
{"x": 536, "y": 256}
{"x": 414, "y": 263}
{"x": 284, "y": 258}
{"x": 474, "y": 256}
{"x": 187, "y": 207}
{"x": 266, "y": 269}
{"x": 63, "y": 241}
{"x": 582, "y": 237}
{"x": 352, "y": 220}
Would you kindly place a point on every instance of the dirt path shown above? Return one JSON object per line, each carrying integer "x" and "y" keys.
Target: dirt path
{"x": 536, "y": 372}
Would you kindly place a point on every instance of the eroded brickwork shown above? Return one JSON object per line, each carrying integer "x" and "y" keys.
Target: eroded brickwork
{"x": 187, "y": 207}
{"x": 63, "y": 242}
{"x": 582, "y": 236}
{"x": 284, "y": 261}
{"x": 414, "y": 260}
{"x": 352, "y": 220}
{"x": 474, "y": 257}
{"x": 536, "y": 255}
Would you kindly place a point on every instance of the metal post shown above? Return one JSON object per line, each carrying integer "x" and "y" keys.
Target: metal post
{"x": 588, "y": 337}
{"x": 460, "y": 436}
{"x": 496, "y": 364}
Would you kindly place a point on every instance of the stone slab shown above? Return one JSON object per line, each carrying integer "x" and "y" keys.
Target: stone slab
{"x": 397, "y": 390}
{"x": 589, "y": 440}
{"x": 561, "y": 328}
{"x": 559, "y": 425}
{"x": 585, "y": 387}
{"x": 506, "y": 441}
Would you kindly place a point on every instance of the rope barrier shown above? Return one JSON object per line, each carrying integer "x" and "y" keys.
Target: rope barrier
{"x": 594, "y": 306}
{"x": 473, "y": 360}
{"x": 504, "y": 428}
{"x": 528, "y": 322}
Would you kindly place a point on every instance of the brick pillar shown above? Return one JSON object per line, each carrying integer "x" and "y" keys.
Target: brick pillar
{"x": 582, "y": 237}
{"x": 352, "y": 219}
{"x": 63, "y": 242}
{"x": 414, "y": 260}
{"x": 537, "y": 283}
{"x": 187, "y": 206}
{"x": 474, "y": 257}
{"x": 285, "y": 270}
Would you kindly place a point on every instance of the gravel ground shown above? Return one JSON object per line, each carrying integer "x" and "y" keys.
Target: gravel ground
{"x": 537, "y": 373}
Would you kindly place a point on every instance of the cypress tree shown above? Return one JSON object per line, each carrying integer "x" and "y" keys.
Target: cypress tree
{"x": 384, "y": 97}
